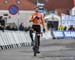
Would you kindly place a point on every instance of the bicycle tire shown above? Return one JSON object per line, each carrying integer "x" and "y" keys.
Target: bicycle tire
{"x": 35, "y": 51}
{"x": 35, "y": 47}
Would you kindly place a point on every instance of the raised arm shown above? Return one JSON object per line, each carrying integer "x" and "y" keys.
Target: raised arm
{"x": 44, "y": 24}
{"x": 31, "y": 18}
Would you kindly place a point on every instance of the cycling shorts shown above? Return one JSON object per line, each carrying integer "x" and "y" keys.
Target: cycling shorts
{"x": 36, "y": 28}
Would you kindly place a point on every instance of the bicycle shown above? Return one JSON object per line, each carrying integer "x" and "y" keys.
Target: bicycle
{"x": 35, "y": 44}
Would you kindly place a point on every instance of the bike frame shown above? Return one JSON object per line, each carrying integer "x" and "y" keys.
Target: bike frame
{"x": 35, "y": 46}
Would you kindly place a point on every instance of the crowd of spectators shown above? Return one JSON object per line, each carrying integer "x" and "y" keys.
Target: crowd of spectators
{"x": 22, "y": 27}
{"x": 12, "y": 26}
{"x": 69, "y": 28}
{"x": 2, "y": 23}
{"x": 62, "y": 28}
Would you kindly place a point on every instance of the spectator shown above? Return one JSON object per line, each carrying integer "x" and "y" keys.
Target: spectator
{"x": 65, "y": 28}
{"x": 14, "y": 28}
{"x": 21, "y": 27}
{"x": 11, "y": 26}
{"x": 27, "y": 29}
{"x": 2, "y": 23}
{"x": 8, "y": 27}
{"x": 71, "y": 28}
{"x": 60, "y": 28}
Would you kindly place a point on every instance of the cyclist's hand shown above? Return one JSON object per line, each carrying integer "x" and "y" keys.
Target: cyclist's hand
{"x": 36, "y": 17}
{"x": 44, "y": 30}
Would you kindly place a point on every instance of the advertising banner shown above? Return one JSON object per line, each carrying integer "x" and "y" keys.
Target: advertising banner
{"x": 64, "y": 34}
{"x": 68, "y": 20}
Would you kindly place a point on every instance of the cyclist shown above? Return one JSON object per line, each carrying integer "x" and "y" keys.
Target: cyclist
{"x": 36, "y": 19}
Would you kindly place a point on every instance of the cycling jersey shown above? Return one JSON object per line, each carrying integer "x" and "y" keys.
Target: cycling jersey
{"x": 36, "y": 19}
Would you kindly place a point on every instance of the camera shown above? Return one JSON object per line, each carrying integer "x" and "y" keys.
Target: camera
{"x": 36, "y": 17}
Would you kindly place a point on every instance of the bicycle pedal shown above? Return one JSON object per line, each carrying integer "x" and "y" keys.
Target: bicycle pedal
{"x": 38, "y": 52}
{"x": 35, "y": 55}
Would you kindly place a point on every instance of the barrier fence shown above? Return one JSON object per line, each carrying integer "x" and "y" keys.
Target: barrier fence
{"x": 14, "y": 39}
{"x": 64, "y": 34}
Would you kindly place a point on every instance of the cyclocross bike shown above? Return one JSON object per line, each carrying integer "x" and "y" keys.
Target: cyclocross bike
{"x": 35, "y": 44}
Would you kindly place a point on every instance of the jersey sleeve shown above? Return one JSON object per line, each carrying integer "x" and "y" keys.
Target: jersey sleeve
{"x": 44, "y": 24}
{"x": 31, "y": 18}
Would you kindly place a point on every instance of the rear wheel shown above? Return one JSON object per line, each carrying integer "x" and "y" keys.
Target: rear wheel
{"x": 35, "y": 51}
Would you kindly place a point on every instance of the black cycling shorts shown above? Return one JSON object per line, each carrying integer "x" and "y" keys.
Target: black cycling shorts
{"x": 36, "y": 28}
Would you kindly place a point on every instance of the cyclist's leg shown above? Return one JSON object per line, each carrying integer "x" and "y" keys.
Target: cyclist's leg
{"x": 38, "y": 38}
{"x": 38, "y": 30}
{"x": 31, "y": 35}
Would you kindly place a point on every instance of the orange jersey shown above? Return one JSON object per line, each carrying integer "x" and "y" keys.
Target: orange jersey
{"x": 36, "y": 21}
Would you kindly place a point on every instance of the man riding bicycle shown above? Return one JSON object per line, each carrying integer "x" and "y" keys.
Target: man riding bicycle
{"x": 36, "y": 19}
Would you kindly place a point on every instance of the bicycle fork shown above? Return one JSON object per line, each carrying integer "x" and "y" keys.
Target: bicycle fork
{"x": 36, "y": 46}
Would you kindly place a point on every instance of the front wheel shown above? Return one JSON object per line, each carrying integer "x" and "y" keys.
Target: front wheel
{"x": 35, "y": 51}
{"x": 35, "y": 54}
